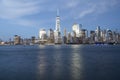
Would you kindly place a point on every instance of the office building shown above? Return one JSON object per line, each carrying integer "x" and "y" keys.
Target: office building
{"x": 65, "y": 36}
{"x": 57, "y": 33}
{"x": 98, "y": 34}
{"x": 109, "y": 36}
{"x": 50, "y": 36}
{"x": 76, "y": 29}
{"x": 92, "y": 37}
{"x": 43, "y": 34}
{"x": 17, "y": 40}
{"x": 33, "y": 39}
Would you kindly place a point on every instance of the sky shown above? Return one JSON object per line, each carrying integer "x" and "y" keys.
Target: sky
{"x": 26, "y": 17}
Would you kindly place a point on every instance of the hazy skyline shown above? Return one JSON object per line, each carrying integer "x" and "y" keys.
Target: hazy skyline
{"x": 27, "y": 17}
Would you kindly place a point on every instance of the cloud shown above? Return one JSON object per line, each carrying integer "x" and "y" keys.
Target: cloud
{"x": 96, "y": 8}
{"x": 20, "y": 11}
{"x": 72, "y": 3}
{"x": 86, "y": 12}
{"x": 12, "y": 9}
{"x": 16, "y": 11}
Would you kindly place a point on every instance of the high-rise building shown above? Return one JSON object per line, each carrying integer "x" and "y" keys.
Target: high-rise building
{"x": 58, "y": 21}
{"x": 103, "y": 36}
{"x": 17, "y": 40}
{"x": 43, "y": 34}
{"x": 57, "y": 33}
{"x": 76, "y": 29}
{"x": 92, "y": 36}
{"x": 65, "y": 36}
{"x": 33, "y": 39}
{"x": 98, "y": 34}
{"x": 50, "y": 36}
{"x": 83, "y": 35}
{"x": 69, "y": 38}
{"x": 109, "y": 36}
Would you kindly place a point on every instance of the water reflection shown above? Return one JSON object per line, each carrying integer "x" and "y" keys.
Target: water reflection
{"x": 57, "y": 46}
{"x": 63, "y": 63}
{"x": 76, "y": 46}
{"x": 42, "y": 46}
{"x": 57, "y": 63}
{"x": 76, "y": 62}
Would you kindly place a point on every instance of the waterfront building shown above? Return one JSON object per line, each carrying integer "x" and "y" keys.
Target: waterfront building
{"x": 65, "y": 36}
{"x": 50, "y": 36}
{"x": 73, "y": 36}
{"x": 42, "y": 36}
{"x": 92, "y": 37}
{"x": 115, "y": 36}
{"x": 69, "y": 37}
{"x": 17, "y": 40}
{"x": 83, "y": 35}
{"x": 98, "y": 34}
{"x": 33, "y": 39}
{"x": 103, "y": 36}
{"x": 57, "y": 37}
{"x": 0, "y": 41}
{"x": 109, "y": 36}
{"x": 26, "y": 41}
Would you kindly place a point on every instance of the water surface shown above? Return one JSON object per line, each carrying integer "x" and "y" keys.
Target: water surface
{"x": 68, "y": 62}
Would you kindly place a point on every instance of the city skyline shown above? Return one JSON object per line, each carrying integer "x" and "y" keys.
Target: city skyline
{"x": 27, "y": 17}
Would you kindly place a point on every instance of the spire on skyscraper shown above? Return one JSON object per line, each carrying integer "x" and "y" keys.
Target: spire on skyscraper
{"x": 57, "y": 12}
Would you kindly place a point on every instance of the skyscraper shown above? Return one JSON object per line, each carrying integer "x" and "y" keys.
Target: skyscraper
{"x": 76, "y": 29}
{"x": 17, "y": 40}
{"x": 43, "y": 34}
{"x": 58, "y": 21}
{"x": 50, "y": 36}
{"x": 57, "y": 34}
{"x": 98, "y": 34}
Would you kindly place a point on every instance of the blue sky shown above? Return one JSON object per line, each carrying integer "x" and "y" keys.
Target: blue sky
{"x": 27, "y": 17}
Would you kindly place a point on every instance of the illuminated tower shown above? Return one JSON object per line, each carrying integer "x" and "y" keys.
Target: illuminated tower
{"x": 58, "y": 21}
{"x": 57, "y": 34}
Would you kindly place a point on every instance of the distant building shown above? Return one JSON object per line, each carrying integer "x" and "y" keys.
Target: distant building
{"x": 0, "y": 41}
{"x": 50, "y": 36}
{"x": 92, "y": 36}
{"x": 33, "y": 39}
{"x": 69, "y": 38}
{"x": 43, "y": 34}
{"x": 98, "y": 34}
{"x": 76, "y": 29}
{"x": 103, "y": 36}
{"x": 109, "y": 36}
{"x": 57, "y": 37}
{"x": 65, "y": 36}
{"x": 83, "y": 35}
{"x": 17, "y": 40}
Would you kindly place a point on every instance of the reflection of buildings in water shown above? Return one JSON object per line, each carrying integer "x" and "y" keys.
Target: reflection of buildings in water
{"x": 41, "y": 67}
{"x": 61, "y": 62}
{"x": 57, "y": 46}
{"x": 75, "y": 46}
{"x": 57, "y": 64}
{"x": 50, "y": 65}
{"x": 76, "y": 62}
{"x": 42, "y": 46}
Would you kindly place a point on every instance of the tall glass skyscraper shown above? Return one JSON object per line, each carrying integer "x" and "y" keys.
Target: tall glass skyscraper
{"x": 58, "y": 21}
